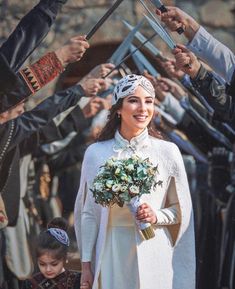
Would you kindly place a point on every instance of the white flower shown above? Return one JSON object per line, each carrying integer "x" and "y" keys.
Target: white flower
{"x": 110, "y": 162}
{"x": 109, "y": 184}
{"x": 101, "y": 171}
{"x": 116, "y": 188}
{"x": 134, "y": 190}
{"x": 124, "y": 177}
{"x": 135, "y": 157}
{"x": 130, "y": 167}
{"x": 129, "y": 179}
{"x": 99, "y": 186}
{"x": 117, "y": 171}
{"x": 123, "y": 188}
{"x": 141, "y": 170}
{"x": 120, "y": 180}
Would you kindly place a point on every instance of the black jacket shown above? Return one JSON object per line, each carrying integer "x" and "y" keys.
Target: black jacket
{"x": 20, "y": 136}
{"x": 218, "y": 95}
{"x": 28, "y": 34}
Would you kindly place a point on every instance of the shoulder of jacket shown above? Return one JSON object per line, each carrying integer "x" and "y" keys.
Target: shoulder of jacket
{"x": 98, "y": 146}
{"x": 164, "y": 144}
{"x": 97, "y": 150}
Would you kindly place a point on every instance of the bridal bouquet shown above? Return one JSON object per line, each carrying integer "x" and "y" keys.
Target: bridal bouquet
{"x": 122, "y": 181}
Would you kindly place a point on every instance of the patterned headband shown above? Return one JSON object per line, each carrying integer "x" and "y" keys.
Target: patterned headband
{"x": 128, "y": 84}
{"x": 60, "y": 235}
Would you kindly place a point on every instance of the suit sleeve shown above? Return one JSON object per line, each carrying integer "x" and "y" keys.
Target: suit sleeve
{"x": 30, "y": 32}
{"x": 15, "y": 131}
{"x": 219, "y": 57}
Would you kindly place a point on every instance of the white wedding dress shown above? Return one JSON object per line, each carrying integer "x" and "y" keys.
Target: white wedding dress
{"x": 119, "y": 267}
{"x": 110, "y": 239}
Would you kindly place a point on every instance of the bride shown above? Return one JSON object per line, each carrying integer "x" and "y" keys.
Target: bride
{"x": 113, "y": 253}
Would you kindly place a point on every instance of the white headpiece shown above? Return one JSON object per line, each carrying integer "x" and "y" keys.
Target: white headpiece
{"x": 128, "y": 84}
{"x": 60, "y": 235}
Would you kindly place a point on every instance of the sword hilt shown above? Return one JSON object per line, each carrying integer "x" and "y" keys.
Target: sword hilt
{"x": 163, "y": 9}
{"x": 180, "y": 30}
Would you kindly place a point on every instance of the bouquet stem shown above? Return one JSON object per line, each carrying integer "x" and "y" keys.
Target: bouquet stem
{"x": 148, "y": 232}
{"x": 145, "y": 228}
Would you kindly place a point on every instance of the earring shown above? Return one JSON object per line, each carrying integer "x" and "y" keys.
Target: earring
{"x": 118, "y": 115}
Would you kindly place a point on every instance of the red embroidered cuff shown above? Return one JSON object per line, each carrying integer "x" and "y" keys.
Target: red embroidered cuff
{"x": 42, "y": 72}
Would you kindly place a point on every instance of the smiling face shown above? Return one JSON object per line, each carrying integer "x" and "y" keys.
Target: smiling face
{"x": 49, "y": 266}
{"x": 136, "y": 113}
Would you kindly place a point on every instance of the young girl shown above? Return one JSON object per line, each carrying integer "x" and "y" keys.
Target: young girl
{"x": 51, "y": 253}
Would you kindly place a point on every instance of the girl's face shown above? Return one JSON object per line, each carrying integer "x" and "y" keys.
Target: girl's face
{"x": 136, "y": 112}
{"x": 49, "y": 266}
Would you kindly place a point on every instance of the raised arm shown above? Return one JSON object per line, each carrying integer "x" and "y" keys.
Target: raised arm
{"x": 30, "y": 31}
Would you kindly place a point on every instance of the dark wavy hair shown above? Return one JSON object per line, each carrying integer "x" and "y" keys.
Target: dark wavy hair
{"x": 47, "y": 243}
{"x": 114, "y": 123}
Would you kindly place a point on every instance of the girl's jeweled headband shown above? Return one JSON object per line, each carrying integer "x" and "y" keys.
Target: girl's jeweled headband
{"x": 60, "y": 235}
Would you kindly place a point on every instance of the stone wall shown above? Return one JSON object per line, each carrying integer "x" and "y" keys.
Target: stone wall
{"x": 78, "y": 17}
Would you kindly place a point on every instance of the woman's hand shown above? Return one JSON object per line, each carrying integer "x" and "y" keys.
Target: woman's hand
{"x": 146, "y": 214}
{"x": 87, "y": 277}
{"x": 84, "y": 285}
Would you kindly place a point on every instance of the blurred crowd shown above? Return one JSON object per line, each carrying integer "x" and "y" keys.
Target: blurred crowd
{"x": 41, "y": 150}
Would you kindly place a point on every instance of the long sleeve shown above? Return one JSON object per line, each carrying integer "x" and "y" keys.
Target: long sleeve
{"x": 12, "y": 87}
{"x": 89, "y": 231}
{"x": 8, "y": 77}
{"x": 219, "y": 57}
{"x": 30, "y": 31}
{"x": 74, "y": 121}
{"x": 173, "y": 107}
{"x": 215, "y": 93}
{"x": 87, "y": 213}
{"x": 30, "y": 79}
{"x": 171, "y": 214}
{"x": 68, "y": 156}
{"x": 217, "y": 135}
{"x": 55, "y": 138}
{"x": 15, "y": 131}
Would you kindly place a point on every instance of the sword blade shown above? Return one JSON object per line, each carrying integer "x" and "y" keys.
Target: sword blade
{"x": 141, "y": 38}
{"x": 103, "y": 19}
{"x": 138, "y": 63}
{"x": 165, "y": 37}
{"x": 143, "y": 61}
{"x": 129, "y": 55}
{"x": 159, "y": 5}
{"x": 124, "y": 46}
{"x": 164, "y": 32}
